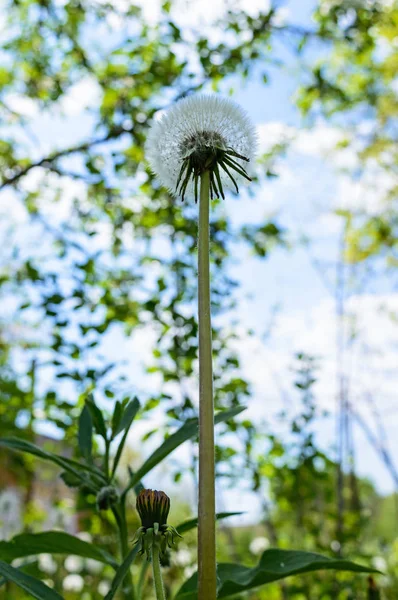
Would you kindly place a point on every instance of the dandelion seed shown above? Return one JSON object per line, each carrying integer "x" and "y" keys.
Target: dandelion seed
{"x": 198, "y": 134}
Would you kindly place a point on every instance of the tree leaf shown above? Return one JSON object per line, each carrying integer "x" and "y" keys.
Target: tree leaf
{"x": 274, "y": 564}
{"x": 52, "y": 542}
{"x": 85, "y": 434}
{"x": 186, "y": 432}
{"x": 122, "y": 572}
{"x": 97, "y": 417}
{"x": 192, "y": 523}
{"x": 33, "y": 586}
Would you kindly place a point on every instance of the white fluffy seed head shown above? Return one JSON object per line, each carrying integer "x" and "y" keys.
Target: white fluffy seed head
{"x": 193, "y": 123}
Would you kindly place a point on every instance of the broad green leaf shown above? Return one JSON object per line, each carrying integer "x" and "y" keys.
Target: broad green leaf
{"x": 192, "y": 523}
{"x": 52, "y": 542}
{"x": 69, "y": 465}
{"x": 97, "y": 417}
{"x": 33, "y": 586}
{"x": 186, "y": 432}
{"x": 122, "y": 572}
{"x": 274, "y": 564}
{"x": 86, "y": 434}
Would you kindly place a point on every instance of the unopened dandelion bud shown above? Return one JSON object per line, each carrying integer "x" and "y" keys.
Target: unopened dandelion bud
{"x": 153, "y": 507}
{"x": 107, "y": 497}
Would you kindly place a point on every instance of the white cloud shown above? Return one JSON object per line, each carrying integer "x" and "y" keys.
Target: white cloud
{"x": 371, "y": 356}
{"x": 187, "y": 13}
{"x": 369, "y": 365}
{"x": 22, "y": 104}
{"x": 83, "y": 94}
{"x": 273, "y": 133}
{"x": 367, "y": 194}
{"x": 318, "y": 140}
{"x": 281, "y": 16}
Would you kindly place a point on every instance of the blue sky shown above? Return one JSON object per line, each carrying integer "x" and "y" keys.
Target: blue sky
{"x": 286, "y": 291}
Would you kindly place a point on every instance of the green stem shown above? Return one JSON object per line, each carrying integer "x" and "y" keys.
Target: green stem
{"x": 157, "y": 574}
{"x": 141, "y": 581}
{"x": 106, "y": 459}
{"x": 129, "y": 592}
{"x": 207, "y": 509}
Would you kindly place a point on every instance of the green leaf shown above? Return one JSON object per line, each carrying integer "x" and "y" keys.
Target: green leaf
{"x": 97, "y": 417}
{"x": 70, "y": 479}
{"x": 85, "y": 434}
{"x": 192, "y": 523}
{"x": 128, "y": 417}
{"x": 52, "y": 542}
{"x": 116, "y": 417}
{"x": 274, "y": 564}
{"x": 30, "y": 567}
{"x": 34, "y": 587}
{"x": 69, "y": 465}
{"x": 122, "y": 572}
{"x": 186, "y": 432}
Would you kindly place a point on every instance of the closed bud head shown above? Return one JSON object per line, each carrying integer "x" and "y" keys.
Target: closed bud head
{"x": 153, "y": 507}
{"x": 107, "y": 497}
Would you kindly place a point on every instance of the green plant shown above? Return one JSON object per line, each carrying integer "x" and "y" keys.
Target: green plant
{"x": 217, "y": 131}
{"x": 96, "y": 473}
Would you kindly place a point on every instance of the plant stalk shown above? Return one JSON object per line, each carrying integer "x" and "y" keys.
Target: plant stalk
{"x": 207, "y": 509}
{"x": 129, "y": 592}
{"x": 157, "y": 574}
{"x": 141, "y": 581}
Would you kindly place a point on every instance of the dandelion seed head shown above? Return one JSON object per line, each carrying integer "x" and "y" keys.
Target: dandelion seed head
{"x": 196, "y": 128}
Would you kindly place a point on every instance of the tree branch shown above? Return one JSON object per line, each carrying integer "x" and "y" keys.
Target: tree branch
{"x": 48, "y": 160}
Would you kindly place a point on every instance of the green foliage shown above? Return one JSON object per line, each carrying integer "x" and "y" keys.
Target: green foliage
{"x": 78, "y": 285}
{"x": 356, "y": 81}
{"x": 273, "y": 565}
{"x": 52, "y": 542}
{"x": 86, "y": 434}
{"x": 125, "y": 416}
{"x": 193, "y": 523}
{"x": 97, "y": 418}
{"x": 87, "y": 475}
{"x": 186, "y": 432}
{"x": 122, "y": 572}
{"x": 32, "y": 586}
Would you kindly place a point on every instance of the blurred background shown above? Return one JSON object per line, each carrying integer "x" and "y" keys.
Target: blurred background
{"x": 98, "y": 267}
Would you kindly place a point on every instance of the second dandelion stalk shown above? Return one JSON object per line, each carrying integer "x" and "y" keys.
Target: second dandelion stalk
{"x": 207, "y": 509}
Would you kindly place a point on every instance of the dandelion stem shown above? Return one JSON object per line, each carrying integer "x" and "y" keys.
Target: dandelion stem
{"x": 157, "y": 573}
{"x": 206, "y": 511}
